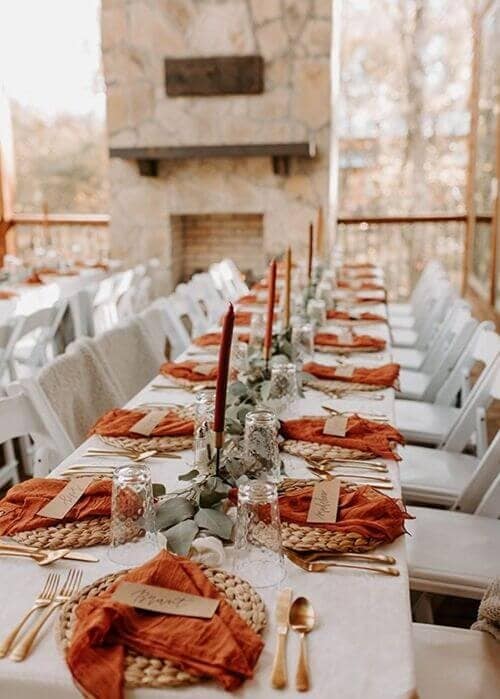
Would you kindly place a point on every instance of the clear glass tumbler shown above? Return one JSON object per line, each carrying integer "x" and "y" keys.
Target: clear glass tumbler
{"x": 239, "y": 356}
{"x": 133, "y": 529}
{"x": 257, "y": 553}
{"x": 261, "y": 445}
{"x": 204, "y": 407}
{"x": 302, "y": 343}
{"x": 257, "y": 330}
{"x": 284, "y": 388}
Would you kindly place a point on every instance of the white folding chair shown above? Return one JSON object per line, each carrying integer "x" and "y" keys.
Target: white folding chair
{"x": 233, "y": 276}
{"x": 433, "y": 271}
{"x": 197, "y": 312}
{"x": 153, "y": 325}
{"x": 136, "y": 296}
{"x": 436, "y": 423}
{"x": 173, "y": 326}
{"x": 35, "y": 339}
{"x": 441, "y": 476}
{"x": 224, "y": 282}
{"x": 128, "y": 357}
{"x": 455, "y": 553}
{"x": 204, "y": 292}
{"x": 427, "y": 359}
{"x": 428, "y": 316}
{"x": 424, "y": 385}
{"x": 182, "y": 309}
{"x": 104, "y": 311}
{"x": 453, "y": 663}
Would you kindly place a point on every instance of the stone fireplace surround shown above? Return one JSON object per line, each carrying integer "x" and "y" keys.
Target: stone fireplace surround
{"x": 148, "y": 213}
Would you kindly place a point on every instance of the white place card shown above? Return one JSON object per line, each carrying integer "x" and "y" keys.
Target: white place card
{"x": 147, "y": 424}
{"x": 66, "y": 498}
{"x": 165, "y": 601}
{"x": 344, "y": 371}
{"x": 324, "y": 502}
{"x": 336, "y": 426}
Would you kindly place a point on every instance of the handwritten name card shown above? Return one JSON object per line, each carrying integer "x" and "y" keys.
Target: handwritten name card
{"x": 164, "y": 600}
{"x": 324, "y": 502}
{"x": 344, "y": 372}
{"x": 62, "y": 503}
{"x": 336, "y": 426}
{"x": 205, "y": 369}
{"x": 147, "y": 424}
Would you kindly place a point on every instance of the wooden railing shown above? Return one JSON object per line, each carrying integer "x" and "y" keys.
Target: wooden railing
{"x": 72, "y": 235}
{"x": 403, "y": 245}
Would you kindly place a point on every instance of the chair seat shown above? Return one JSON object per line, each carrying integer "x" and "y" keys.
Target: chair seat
{"x": 452, "y": 553}
{"x": 412, "y": 384}
{"x": 397, "y": 308}
{"x": 434, "y": 476}
{"x": 408, "y": 357}
{"x": 404, "y": 337}
{"x": 402, "y": 322}
{"x": 424, "y": 423}
{"x": 454, "y": 663}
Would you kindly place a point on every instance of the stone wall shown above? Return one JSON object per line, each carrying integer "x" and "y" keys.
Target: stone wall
{"x": 293, "y": 36}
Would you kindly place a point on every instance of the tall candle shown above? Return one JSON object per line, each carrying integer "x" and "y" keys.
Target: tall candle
{"x": 319, "y": 233}
{"x": 271, "y": 293}
{"x": 288, "y": 285}
{"x": 310, "y": 253}
{"x": 223, "y": 373}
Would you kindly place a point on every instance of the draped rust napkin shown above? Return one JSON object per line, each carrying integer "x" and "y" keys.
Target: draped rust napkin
{"x": 214, "y": 339}
{"x": 119, "y": 423}
{"x": 385, "y": 375}
{"x": 19, "y": 508}
{"x": 254, "y": 299}
{"x": 223, "y": 648}
{"x": 242, "y": 318}
{"x": 7, "y": 294}
{"x": 345, "y": 315}
{"x": 188, "y": 370}
{"x": 363, "y": 435}
{"x": 34, "y": 278}
{"x": 361, "y": 341}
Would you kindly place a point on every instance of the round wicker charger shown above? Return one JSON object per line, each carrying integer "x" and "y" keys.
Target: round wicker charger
{"x": 68, "y": 535}
{"x": 140, "y": 444}
{"x": 321, "y": 452}
{"x": 143, "y": 672}
{"x": 190, "y": 385}
{"x": 300, "y": 538}
{"x": 336, "y": 387}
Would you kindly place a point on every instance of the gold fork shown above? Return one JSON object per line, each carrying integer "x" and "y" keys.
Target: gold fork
{"x": 68, "y": 588}
{"x": 43, "y": 600}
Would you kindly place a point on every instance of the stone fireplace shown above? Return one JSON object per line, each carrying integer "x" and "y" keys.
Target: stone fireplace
{"x": 236, "y": 171}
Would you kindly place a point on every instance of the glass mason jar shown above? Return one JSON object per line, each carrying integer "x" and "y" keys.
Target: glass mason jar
{"x": 261, "y": 445}
{"x": 257, "y": 553}
{"x": 133, "y": 528}
{"x": 302, "y": 343}
{"x": 284, "y": 388}
{"x": 204, "y": 408}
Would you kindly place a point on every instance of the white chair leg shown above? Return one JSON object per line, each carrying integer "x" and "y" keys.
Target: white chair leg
{"x": 422, "y": 609}
{"x": 10, "y": 468}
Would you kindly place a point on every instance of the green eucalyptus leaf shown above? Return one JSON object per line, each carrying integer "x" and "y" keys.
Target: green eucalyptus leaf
{"x": 265, "y": 389}
{"x": 237, "y": 388}
{"x": 189, "y": 476}
{"x": 173, "y": 511}
{"x": 158, "y": 490}
{"x": 181, "y": 536}
{"x": 214, "y": 522}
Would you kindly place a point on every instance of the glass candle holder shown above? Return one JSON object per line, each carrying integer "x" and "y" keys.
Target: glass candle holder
{"x": 284, "y": 388}
{"x": 133, "y": 530}
{"x": 261, "y": 444}
{"x": 257, "y": 553}
{"x": 302, "y": 343}
{"x": 204, "y": 408}
{"x": 316, "y": 312}
{"x": 257, "y": 330}
{"x": 239, "y": 356}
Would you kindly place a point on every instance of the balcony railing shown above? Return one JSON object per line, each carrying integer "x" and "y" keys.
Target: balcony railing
{"x": 74, "y": 236}
{"x": 403, "y": 245}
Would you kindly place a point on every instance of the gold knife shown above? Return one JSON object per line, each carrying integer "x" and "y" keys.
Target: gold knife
{"x": 72, "y": 555}
{"x": 278, "y": 674}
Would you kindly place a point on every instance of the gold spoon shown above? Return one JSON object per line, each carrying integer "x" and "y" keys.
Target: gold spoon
{"x": 301, "y": 619}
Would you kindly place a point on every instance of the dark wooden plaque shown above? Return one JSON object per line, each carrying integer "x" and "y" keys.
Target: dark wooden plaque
{"x": 215, "y": 75}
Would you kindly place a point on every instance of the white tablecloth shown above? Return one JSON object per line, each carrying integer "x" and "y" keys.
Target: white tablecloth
{"x": 360, "y": 649}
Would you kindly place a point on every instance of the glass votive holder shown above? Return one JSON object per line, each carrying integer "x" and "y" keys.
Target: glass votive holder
{"x": 133, "y": 528}
{"x": 257, "y": 553}
{"x": 316, "y": 312}
{"x": 261, "y": 444}
{"x": 284, "y": 388}
{"x": 239, "y": 356}
{"x": 302, "y": 343}
{"x": 204, "y": 408}
{"x": 257, "y": 330}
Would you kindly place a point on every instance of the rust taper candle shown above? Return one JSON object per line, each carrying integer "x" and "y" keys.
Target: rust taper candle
{"x": 288, "y": 285}
{"x": 271, "y": 295}
{"x": 310, "y": 252}
{"x": 222, "y": 375}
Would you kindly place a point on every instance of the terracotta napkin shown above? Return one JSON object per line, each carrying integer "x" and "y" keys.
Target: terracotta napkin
{"x": 18, "y": 509}
{"x": 363, "y": 435}
{"x": 34, "y": 278}
{"x": 223, "y": 648}
{"x": 214, "y": 339}
{"x": 331, "y": 340}
{"x": 344, "y": 315}
{"x": 7, "y": 294}
{"x": 119, "y": 423}
{"x": 242, "y": 318}
{"x": 385, "y": 375}
{"x": 369, "y": 299}
{"x": 187, "y": 370}
{"x": 254, "y": 299}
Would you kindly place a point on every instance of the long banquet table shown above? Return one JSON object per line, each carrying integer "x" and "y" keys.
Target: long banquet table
{"x": 360, "y": 649}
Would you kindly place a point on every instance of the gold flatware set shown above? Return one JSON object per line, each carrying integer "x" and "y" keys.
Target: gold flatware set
{"x": 322, "y": 562}
{"x": 51, "y": 596}
{"x": 43, "y": 556}
{"x": 374, "y": 417}
{"x": 353, "y": 479}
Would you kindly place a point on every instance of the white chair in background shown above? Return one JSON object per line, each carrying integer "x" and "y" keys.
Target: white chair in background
{"x": 137, "y": 296}
{"x": 428, "y": 316}
{"x": 427, "y": 359}
{"x": 204, "y": 293}
{"x": 128, "y": 357}
{"x": 441, "y": 476}
{"x": 182, "y": 308}
{"x": 35, "y": 339}
{"x": 234, "y": 277}
{"x": 153, "y": 325}
{"x": 104, "y": 311}
{"x": 453, "y": 663}
{"x": 433, "y": 423}
{"x": 455, "y": 552}
{"x": 432, "y": 272}
{"x": 224, "y": 283}
{"x": 424, "y": 385}
{"x": 196, "y": 311}
{"x": 21, "y": 416}
{"x": 173, "y": 327}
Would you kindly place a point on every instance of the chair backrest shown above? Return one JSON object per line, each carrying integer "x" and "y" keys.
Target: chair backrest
{"x": 224, "y": 282}
{"x": 472, "y": 415}
{"x": 483, "y": 477}
{"x": 204, "y": 292}
{"x": 231, "y": 272}
{"x": 173, "y": 327}
{"x": 196, "y": 312}
{"x": 153, "y": 324}
{"x": 483, "y": 346}
{"x": 20, "y": 415}
{"x": 128, "y": 356}
{"x": 8, "y": 337}
{"x": 432, "y": 312}
{"x": 440, "y": 337}
{"x": 105, "y": 312}
{"x": 432, "y": 272}
{"x": 451, "y": 348}
{"x": 490, "y": 502}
